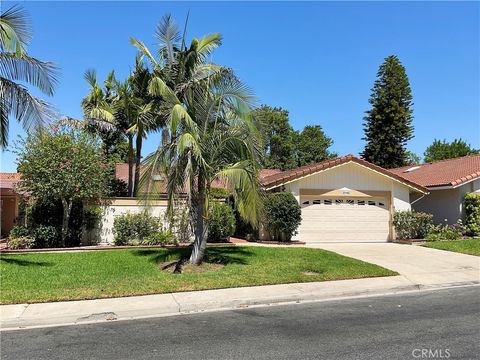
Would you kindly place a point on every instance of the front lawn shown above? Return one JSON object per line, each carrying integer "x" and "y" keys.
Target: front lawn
{"x": 471, "y": 246}
{"x": 45, "y": 277}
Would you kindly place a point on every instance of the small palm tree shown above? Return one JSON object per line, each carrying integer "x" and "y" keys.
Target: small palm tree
{"x": 212, "y": 134}
{"x": 16, "y": 65}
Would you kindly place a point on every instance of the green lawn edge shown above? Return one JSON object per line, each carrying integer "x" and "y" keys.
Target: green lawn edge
{"x": 46, "y": 277}
{"x": 467, "y": 246}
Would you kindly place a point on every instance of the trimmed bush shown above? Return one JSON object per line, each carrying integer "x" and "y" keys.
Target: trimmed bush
{"x": 445, "y": 232}
{"x": 412, "y": 224}
{"x": 21, "y": 242}
{"x": 132, "y": 229}
{"x": 160, "y": 238}
{"x": 472, "y": 213}
{"x": 46, "y": 237}
{"x": 282, "y": 215}
{"x": 221, "y": 222}
{"x": 19, "y": 231}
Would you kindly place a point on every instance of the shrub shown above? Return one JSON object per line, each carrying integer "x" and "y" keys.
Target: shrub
{"x": 446, "y": 232}
{"x": 472, "y": 213}
{"x": 178, "y": 223}
{"x": 19, "y": 231}
{"x": 91, "y": 217}
{"x": 221, "y": 222}
{"x": 282, "y": 215}
{"x": 411, "y": 224}
{"x": 21, "y": 242}
{"x": 160, "y": 238}
{"x": 132, "y": 229}
{"x": 46, "y": 236}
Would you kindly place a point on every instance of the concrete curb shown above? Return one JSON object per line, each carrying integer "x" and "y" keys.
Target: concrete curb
{"x": 24, "y": 316}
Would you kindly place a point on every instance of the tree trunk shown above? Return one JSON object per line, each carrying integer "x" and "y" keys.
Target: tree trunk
{"x": 138, "y": 159}
{"x": 201, "y": 227}
{"x": 67, "y": 207}
{"x": 130, "y": 164}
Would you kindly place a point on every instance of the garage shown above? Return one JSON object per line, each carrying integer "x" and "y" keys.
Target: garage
{"x": 344, "y": 219}
{"x": 346, "y": 199}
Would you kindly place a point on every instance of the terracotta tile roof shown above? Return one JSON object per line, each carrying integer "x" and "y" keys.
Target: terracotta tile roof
{"x": 451, "y": 172}
{"x": 8, "y": 180}
{"x": 281, "y": 178}
{"x": 121, "y": 172}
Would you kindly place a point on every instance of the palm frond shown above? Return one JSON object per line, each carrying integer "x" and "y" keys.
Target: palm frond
{"x": 144, "y": 51}
{"x": 27, "y": 109}
{"x": 15, "y": 30}
{"x": 43, "y": 75}
{"x": 168, "y": 35}
{"x": 207, "y": 44}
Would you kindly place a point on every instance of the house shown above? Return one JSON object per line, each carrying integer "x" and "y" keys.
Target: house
{"x": 10, "y": 201}
{"x": 345, "y": 199}
{"x": 447, "y": 181}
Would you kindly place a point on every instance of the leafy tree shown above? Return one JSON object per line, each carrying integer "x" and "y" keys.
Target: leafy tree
{"x": 279, "y": 138}
{"x": 212, "y": 135}
{"x": 312, "y": 146}
{"x": 413, "y": 158}
{"x": 441, "y": 150}
{"x": 62, "y": 164}
{"x": 17, "y": 65}
{"x": 388, "y": 124}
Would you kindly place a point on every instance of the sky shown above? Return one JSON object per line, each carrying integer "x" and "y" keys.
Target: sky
{"x": 318, "y": 60}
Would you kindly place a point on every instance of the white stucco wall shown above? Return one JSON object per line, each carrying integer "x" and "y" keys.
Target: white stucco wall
{"x": 355, "y": 177}
{"x": 103, "y": 235}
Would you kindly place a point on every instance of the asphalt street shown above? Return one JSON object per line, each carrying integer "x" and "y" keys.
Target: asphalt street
{"x": 442, "y": 324}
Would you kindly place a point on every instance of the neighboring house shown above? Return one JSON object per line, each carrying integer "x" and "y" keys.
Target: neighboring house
{"x": 345, "y": 199}
{"x": 10, "y": 201}
{"x": 447, "y": 181}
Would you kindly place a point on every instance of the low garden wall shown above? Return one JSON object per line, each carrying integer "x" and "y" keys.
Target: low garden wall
{"x": 102, "y": 234}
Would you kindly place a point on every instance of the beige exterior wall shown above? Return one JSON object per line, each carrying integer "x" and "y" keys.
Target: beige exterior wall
{"x": 446, "y": 205}
{"x": 353, "y": 177}
{"x": 116, "y": 207}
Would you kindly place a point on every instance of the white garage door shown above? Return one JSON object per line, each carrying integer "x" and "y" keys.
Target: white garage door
{"x": 342, "y": 219}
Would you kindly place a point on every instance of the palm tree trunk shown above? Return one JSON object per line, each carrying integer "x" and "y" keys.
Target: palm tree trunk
{"x": 138, "y": 159}
{"x": 130, "y": 164}
{"x": 201, "y": 227}
{"x": 67, "y": 207}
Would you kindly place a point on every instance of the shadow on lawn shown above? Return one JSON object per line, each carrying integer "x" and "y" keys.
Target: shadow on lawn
{"x": 22, "y": 262}
{"x": 217, "y": 255}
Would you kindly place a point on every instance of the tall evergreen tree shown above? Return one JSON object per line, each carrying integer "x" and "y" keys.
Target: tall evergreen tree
{"x": 388, "y": 124}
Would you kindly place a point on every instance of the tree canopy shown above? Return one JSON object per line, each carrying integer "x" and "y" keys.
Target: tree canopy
{"x": 388, "y": 124}
{"x": 312, "y": 146}
{"x": 441, "y": 150}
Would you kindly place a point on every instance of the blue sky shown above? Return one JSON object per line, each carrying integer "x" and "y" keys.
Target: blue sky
{"x": 316, "y": 59}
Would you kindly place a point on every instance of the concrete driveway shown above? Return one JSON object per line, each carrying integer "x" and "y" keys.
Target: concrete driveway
{"x": 420, "y": 265}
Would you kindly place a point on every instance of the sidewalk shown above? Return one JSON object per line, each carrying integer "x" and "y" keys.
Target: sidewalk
{"x": 128, "y": 308}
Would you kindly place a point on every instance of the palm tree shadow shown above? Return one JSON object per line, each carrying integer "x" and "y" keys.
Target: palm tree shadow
{"x": 218, "y": 255}
{"x": 22, "y": 262}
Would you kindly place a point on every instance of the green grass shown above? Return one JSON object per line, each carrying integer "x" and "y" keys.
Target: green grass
{"x": 471, "y": 246}
{"x": 42, "y": 277}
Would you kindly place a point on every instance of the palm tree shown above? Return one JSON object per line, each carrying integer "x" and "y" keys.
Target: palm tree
{"x": 212, "y": 134}
{"x": 17, "y": 65}
{"x": 127, "y": 107}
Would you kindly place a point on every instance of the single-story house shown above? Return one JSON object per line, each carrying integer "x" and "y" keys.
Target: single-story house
{"x": 447, "y": 181}
{"x": 345, "y": 199}
{"x": 10, "y": 201}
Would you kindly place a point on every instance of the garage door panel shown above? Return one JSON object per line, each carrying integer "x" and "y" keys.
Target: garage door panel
{"x": 344, "y": 220}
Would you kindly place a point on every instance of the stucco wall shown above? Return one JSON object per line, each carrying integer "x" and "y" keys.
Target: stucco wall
{"x": 103, "y": 234}
{"x": 446, "y": 205}
{"x": 355, "y": 177}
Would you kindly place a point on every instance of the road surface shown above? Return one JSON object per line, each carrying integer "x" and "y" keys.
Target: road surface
{"x": 443, "y": 324}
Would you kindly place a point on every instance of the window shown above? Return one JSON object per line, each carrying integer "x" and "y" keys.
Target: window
{"x": 360, "y": 202}
{"x": 316, "y": 202}
{"x": 327, "y": 202}
{"x": 371, "y": 202}
{"x": 338, "y": 201}
{"x": 381, "y": 204}
{"x": 306, "y": 202}
{"x": 350, "y": 202}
